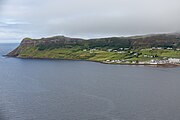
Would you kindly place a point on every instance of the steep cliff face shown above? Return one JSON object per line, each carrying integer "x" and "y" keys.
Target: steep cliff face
{"x": 44, "y": 42}
{"x": 61, "y": 40}
{"x": 161, "y": 40}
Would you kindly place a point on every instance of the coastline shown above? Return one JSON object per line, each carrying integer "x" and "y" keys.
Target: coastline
{"x": 130, "y": 64}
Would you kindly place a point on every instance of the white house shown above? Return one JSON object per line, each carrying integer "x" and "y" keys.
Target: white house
{"x": 174, "y": 60}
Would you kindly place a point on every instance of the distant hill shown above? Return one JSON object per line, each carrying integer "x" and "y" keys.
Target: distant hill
{"x": 145, "y": 41}
{"x": 146, "y": 49}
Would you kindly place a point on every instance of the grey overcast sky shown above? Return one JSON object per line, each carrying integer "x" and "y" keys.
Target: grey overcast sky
{"x": 86, "y": 18}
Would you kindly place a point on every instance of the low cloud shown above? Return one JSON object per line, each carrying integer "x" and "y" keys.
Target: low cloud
{"x": 91, "y": 18}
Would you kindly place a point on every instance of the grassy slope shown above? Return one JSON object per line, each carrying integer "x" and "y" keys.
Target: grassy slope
{"x": 69, "y": 53}
{"x": 97, "y": 55}
{"x": 162, "y": 53}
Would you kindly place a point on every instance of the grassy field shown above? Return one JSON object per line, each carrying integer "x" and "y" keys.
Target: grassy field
{"x": 97, "y": 55}
{"x": 70, "y": 53}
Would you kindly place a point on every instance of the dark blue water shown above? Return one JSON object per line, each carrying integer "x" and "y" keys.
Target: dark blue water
{"x": 79, "y": 90}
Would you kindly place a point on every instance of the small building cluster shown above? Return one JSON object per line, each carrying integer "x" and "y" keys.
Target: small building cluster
{"x": 120, "y": 61}
{"x": 167, "y": 61}
{"x": 151, "y": 62}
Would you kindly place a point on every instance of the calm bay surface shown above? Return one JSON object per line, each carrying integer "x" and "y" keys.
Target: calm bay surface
{"x": 80, "y": 90}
